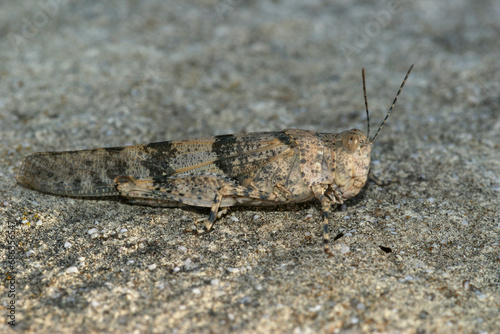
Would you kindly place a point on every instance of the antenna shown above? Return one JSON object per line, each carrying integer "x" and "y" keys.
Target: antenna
{"x": 393, "y": 103}
{"x": 366, "y": 104}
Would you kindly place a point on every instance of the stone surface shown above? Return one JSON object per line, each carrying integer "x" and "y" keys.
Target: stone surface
{"x": 420, "y": 254}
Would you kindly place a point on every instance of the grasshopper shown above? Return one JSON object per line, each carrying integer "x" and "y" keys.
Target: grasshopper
{"x": 249, "y": 169}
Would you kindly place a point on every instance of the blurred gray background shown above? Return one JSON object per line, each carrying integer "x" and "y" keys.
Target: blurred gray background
{"x": 83, "y": 74}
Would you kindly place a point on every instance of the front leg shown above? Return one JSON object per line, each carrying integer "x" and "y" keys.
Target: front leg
{"x": 321, "y": 192}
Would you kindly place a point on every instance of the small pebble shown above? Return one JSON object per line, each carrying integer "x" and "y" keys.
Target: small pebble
{"x": 72, "y": 270}
{"x": 344, "y": 249}
{"x": 92, "y": 231}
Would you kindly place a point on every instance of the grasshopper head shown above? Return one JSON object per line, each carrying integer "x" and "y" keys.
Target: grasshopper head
{"x": 354, "y": 147}
{"x": 352, "y": 162}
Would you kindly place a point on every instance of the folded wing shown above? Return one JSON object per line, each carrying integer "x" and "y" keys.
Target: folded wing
{"x": 91, "y": 173}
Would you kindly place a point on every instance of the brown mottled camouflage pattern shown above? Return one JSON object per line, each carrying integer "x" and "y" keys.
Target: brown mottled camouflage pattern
{"x": 255, "y": 169}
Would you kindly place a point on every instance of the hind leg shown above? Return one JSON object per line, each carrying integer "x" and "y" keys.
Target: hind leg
{"x": 204, "y": 190}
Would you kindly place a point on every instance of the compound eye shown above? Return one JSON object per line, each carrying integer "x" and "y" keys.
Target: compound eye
{"x": 350, "y": 142}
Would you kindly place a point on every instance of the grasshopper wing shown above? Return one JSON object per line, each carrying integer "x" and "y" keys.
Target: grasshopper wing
{"x": 91, "y": 173}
